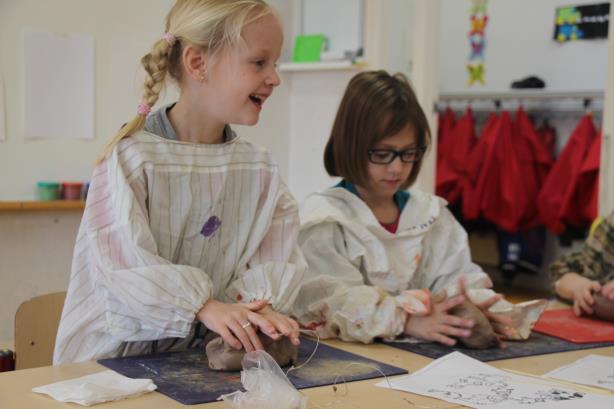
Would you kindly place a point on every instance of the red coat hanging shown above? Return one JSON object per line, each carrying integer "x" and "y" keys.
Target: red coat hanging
{"x": 446, "y": 124}
{"x": 587, "y": 189}
{"x": 548, "y": 135}
{"x": 503, "y": 174}
{"x": 557, "y": 201}
{"x": 453, "y": 163}
{"x": 459, "y": 148}
{"x": 481, "y": 158}
{"x": 535, "y": 148}
{"x": 505, "y": 200}
{"x": 445, "y": 182}
{"x": 534, "y": 164}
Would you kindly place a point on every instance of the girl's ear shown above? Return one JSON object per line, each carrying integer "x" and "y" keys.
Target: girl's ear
{"x": 195, "y": 63}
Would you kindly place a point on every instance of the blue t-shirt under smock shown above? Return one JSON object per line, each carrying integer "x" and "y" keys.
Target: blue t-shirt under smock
{"x": 401, "y": 197}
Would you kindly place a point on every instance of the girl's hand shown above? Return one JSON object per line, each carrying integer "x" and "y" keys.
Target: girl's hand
{"x": 279, "y": 323}
{"x": 416, "y": 302}
{"x": 500, "y": 322}
{"x": 440, "y": 326}
{"x": 579, "y": 289}
{"x": 236, "y": 323}
{"x": 608, "y": 290}
{"x": 583, "y": 295}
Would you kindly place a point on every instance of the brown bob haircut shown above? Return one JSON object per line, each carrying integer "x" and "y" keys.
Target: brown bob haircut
{"x": 375, "y": 105}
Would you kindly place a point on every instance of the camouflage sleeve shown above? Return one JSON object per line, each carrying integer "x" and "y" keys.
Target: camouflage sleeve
{"x": 595, "y": 260}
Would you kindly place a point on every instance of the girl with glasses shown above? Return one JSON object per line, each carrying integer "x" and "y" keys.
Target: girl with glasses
{"x": 376, "y": 251}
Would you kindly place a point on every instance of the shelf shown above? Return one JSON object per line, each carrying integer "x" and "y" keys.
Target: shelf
{"x": 40, "y": 206}
{"x": 344, "y": 65}
{"x": 522, "y": 94}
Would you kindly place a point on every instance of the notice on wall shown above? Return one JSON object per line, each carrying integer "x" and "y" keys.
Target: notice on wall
{"x": 59, "y": 85}
{"x": 587, "y": 22}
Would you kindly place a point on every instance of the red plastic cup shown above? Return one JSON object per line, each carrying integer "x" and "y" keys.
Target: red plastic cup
{"x": 71, "y": 190}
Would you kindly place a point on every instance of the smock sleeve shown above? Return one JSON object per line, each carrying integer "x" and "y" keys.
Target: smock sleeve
{"x": 334, "y": 298}
{"x": 275, "y": 267}
{"x": 446, "y": 258}
{"x": 147, "y": 297}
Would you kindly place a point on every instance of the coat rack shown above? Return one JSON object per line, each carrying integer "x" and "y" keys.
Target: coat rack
{"x": 522, "y": 96}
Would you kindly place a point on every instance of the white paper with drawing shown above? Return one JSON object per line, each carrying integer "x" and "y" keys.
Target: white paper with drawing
{"x": 59, "y": 85}
{"x": 460, "y": 379}
{"x": 595, "y": 370}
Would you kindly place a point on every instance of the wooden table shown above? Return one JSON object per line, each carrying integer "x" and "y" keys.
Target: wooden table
{"x": 15, "y": 387}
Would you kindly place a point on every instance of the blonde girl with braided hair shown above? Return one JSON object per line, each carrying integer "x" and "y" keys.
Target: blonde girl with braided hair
{"x": 189, "y": 229}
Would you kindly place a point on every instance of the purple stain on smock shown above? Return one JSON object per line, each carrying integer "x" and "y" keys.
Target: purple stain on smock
{"x": 211, "y": 226}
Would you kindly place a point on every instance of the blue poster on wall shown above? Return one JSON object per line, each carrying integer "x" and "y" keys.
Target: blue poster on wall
{"x": 582, "y": 22}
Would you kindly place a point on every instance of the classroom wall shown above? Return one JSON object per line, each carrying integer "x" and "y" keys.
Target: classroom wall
{"x": 518, "y": 44}
{"x": 120, "y": 40}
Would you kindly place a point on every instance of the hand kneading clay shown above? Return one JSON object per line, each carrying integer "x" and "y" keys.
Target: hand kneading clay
{"x": 223, "y": 357}
{"x": 482, "y": 334}
{"x": 524, "y": 315}
{"x": 603, "y": 307}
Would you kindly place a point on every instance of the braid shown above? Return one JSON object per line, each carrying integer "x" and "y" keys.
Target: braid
{"x": 156, "y": 67}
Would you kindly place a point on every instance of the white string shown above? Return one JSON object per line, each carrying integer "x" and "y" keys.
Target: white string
{"x": 361, "y": 364}
{"x": 306, "y": 331}
{"x": 345, "y": 402}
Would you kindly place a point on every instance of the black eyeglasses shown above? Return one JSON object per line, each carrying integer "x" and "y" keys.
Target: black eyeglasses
{"x": 386, "y": 156}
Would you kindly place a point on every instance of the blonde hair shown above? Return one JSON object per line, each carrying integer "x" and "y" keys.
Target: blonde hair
{"x": 212, "y": 25}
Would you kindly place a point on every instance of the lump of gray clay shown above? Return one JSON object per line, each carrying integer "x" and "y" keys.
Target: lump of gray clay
{"x": 223, "y": 357}
{"x": 482, "y": 334}
{"x": 603, "y": 307}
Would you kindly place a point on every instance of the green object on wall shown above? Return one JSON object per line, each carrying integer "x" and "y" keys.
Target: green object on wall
{"x": 307, "y": 48}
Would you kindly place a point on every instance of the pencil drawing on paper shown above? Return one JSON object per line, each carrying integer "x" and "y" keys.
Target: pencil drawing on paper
{"x": 491, "y": 389}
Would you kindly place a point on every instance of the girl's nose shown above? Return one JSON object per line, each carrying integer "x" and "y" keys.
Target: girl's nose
{"x": 396, "y": 165}
{"x": 273, "y": 78}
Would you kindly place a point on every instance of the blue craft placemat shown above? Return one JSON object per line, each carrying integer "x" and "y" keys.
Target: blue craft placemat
{"x": 537, "y": 344}
{"x": 186, "y": 377}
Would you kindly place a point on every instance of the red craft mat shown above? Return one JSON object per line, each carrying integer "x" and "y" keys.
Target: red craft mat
{"x": 566, "y": 325}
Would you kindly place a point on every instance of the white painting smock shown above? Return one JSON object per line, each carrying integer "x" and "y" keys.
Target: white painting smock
{"x": 358, "y": 270}
{"x": 168, "y": 225}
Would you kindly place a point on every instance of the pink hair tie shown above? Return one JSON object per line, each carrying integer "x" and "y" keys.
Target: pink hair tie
{"x": 143, "y": 109}
{"x": 169, "y": 38}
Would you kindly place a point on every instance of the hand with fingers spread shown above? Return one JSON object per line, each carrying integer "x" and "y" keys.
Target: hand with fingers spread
{"x": 236, "y": 323}
{"x": 278, "y": 324}
{"x": 498, "y": 321}
{"x": 440, "y": 326}
{"x": 578, "y": 289}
